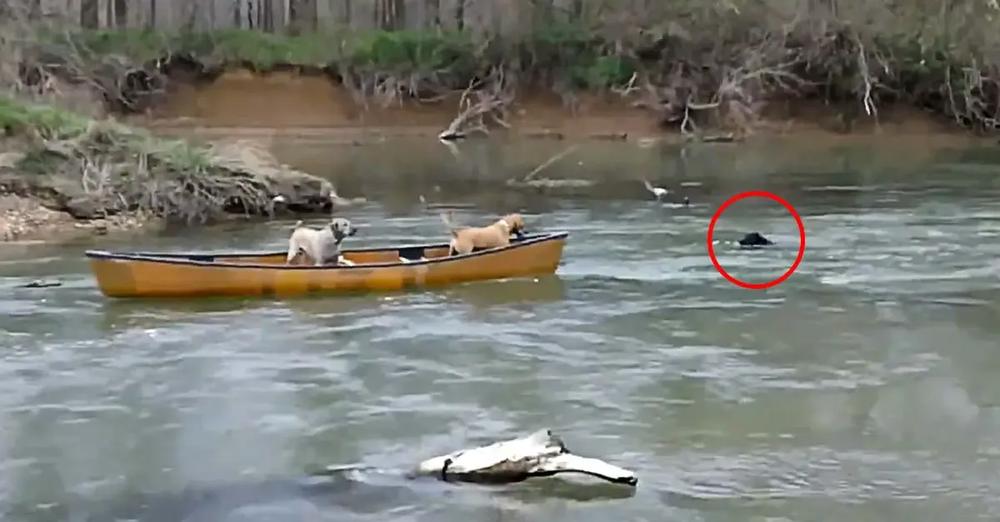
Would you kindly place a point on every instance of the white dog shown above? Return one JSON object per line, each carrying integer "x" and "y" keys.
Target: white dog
{"x": 321, "y": 246}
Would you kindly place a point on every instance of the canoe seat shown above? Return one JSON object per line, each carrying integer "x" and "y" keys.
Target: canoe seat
{"x": 412, "y": 253}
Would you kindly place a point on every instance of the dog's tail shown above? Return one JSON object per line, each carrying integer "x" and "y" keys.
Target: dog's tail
{"x": 446, "y": 217}
{"x": 649, "y": 186}
{"x": 298, "y": 224}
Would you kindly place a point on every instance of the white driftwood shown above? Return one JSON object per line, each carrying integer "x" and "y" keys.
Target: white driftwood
{"x": 540, "y": 454}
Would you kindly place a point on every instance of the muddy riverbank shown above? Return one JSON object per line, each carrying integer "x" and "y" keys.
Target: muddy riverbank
{"x": 279, "y": 108}
{"x": 240, "y": 101}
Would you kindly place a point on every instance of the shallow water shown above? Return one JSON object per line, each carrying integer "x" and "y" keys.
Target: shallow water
{"x": 863, "y": 388}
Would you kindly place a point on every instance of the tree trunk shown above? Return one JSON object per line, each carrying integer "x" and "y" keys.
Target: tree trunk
{"x": 194, "y": 21}
{"x": 121, "y": 13}
{"x": 434, "y": 13}
{"x": 89, "y": 14}
{"x": 399, "y": 14}
{"x": 303, "y": 15}
{"x": 460, "y": 15}
{"x": 385, "y": 14}
{"x": 268, "y": 21}
{"x": 543, "y": 12}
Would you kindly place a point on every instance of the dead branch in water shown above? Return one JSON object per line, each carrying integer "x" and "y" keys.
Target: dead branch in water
{"x": 478, "y": 105}
{"x": 529, "y": 179}
{"x": 549, "y": 162}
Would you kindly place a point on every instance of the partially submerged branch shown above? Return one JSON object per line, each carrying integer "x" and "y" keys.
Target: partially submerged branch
{"x": 530, "y": 180}
{"x": 550, "y": 161}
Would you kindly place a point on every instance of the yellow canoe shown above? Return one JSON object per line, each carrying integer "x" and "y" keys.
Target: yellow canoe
{"x": 380, "y": 269}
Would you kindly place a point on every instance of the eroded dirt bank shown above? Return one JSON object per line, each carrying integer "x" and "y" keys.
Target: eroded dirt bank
{"x": 244, "y": 102}
{"x": 291, "y": 105}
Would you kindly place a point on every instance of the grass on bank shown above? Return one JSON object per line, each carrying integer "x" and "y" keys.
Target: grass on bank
{"x": 459, "y": 55}
{"x": 100, "y": 167}
{"x": 18, "y": 119}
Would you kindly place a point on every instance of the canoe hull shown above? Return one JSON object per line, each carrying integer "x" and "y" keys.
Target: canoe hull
{"x": 158, "y": 275}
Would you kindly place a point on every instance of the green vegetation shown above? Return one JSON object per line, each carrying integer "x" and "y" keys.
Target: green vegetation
{"x": 452, "y": 58}
{"x": 96, "y": 168}
{"x": 691, "y": 61}
{"x": 260, "y": 50}
{"x": 50, "y": 123}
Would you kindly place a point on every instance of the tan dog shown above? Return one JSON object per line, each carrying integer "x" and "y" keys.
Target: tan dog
{"x": 320, "y": 246}
{"x": 465, "y": 239}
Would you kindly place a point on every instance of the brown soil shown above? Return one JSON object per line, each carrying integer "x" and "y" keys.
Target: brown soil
{"x": 243, "y": 102}
{"x": 314, "y": 104}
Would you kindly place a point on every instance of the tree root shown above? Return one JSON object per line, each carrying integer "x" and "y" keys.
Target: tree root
{"x": 116, "y": 170}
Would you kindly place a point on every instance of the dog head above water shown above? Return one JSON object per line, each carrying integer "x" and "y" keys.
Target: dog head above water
{"x": 755, "y": 239}
{"x": 515, "y": 223}
{"x": 341, "y": 228}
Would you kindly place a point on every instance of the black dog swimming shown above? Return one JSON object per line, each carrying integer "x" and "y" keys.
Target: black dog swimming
{"x": 755, "y": 240}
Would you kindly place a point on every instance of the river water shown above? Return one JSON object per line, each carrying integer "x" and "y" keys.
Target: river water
{"x": 863, "y": 388}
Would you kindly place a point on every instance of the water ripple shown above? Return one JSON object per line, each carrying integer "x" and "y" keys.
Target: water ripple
{"x": 863, "y": 385}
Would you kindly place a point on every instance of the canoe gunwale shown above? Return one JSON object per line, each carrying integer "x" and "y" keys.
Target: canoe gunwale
{"x": 218, "y": 260}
